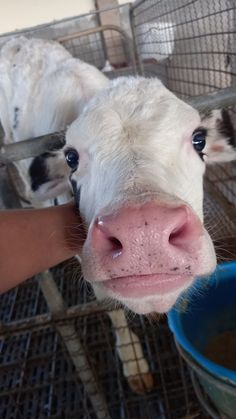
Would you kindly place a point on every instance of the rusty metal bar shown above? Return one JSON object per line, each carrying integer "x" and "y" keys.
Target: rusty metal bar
{"x": 44, "y": 320}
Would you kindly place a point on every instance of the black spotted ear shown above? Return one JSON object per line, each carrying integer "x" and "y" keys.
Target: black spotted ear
{"x": 220, "y": 144}
{"x": 48, "y": 175}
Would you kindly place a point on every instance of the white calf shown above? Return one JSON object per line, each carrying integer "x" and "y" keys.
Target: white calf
{"x": 135, "y": 156}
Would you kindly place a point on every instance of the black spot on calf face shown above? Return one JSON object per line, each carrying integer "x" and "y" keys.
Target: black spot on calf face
{"x": 38, "y": 171}
{"x": 16, "y": 117}
{"x": 225, "y": 127}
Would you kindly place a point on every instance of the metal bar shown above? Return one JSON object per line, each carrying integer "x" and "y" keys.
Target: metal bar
{"x": 74, "y": 346}
{"x": 32, "y": 147}
{"x": 138, "y": 62}
{"x": 137, "y": 4}
{"x": 220, "y": 99}
{"x": 102, "y": 35}
{"x": 91, "y": 31}
{"x": 44, "y": 320}
{"x": 103, "y": 28}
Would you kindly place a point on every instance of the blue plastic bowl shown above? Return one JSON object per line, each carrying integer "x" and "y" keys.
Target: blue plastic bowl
{"x": 205, "y": 311}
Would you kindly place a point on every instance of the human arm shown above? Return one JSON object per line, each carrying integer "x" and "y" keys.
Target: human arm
{"x": 34, "y": 240}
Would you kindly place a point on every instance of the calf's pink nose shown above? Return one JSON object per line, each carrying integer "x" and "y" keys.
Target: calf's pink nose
{"x": 134, "y": 239}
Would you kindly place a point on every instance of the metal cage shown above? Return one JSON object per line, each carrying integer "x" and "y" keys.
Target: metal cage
{"x": 45, "y": 354}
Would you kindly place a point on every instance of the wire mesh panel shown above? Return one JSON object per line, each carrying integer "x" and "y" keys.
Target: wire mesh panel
{"x": 191, "y": 46}
{"x": 193, "y": 39}
{"x": 38, "y": 378}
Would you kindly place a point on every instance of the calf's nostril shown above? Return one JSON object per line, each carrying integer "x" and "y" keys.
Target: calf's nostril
{"x": 178, "y": 235}
{"x": 116, "y": 247}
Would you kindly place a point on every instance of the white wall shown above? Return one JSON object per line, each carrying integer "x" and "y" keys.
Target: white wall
{"x": 19, "y": 14}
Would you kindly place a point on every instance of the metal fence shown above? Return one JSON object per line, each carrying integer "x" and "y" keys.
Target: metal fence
{"x": 190, "y": 46}
{"x": 38, "y": 378}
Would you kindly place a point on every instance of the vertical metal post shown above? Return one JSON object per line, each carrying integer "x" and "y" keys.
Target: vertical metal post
{"x": 1, "y": 134}
{"x": 98, "y": 18}
{"x": 137, "y": 60}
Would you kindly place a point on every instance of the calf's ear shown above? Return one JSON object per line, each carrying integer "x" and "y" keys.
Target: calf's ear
{"x": 49, "y": 174}
{"x": 220, "y": 143}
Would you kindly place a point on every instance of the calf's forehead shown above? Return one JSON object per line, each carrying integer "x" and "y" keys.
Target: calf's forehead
{"x": 129, "y": 112}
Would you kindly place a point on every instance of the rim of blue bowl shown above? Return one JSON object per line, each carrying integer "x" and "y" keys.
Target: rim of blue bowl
{"x": 223, "y": 270}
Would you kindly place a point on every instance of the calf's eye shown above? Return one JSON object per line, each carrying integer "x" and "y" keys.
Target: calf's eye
{"x": 72, "y": 158}
{"x": 199, "y": 140}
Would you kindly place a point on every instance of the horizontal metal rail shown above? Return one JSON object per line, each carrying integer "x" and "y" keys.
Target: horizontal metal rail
{"x": 220, "y": 99}
{"x": 31, "y": 148}
{"x": 103, "y": 28}
{"x": 44, "y": 320}
{"x": 52, "y": 142}
{"x": 129, "y": 50}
